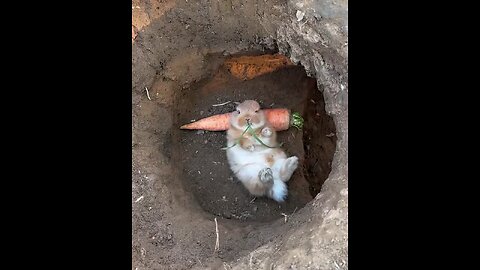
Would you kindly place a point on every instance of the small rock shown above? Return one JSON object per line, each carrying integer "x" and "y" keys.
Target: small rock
{"x": 255, "y": 208}
{"x": 300, "y": 15}
{"x": 200, "y": 132}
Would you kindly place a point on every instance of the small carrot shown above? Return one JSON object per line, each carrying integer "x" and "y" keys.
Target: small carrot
{"x": 216, "y": 122}
{"x": 280, "y": 119}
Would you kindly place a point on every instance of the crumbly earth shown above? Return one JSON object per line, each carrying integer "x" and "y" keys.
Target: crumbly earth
{"x": 177, "y": 54}
{"x": 201, "y": 161}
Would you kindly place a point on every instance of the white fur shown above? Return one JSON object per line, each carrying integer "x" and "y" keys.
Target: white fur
{"x": 279, "y": 191}
{"x": 239, "y": 157}
{"x": 247, "y": 164}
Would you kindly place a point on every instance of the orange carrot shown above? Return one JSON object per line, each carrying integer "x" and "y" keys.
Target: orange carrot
{"x": 216, "y": 122}
{"x": 280, "y": 119}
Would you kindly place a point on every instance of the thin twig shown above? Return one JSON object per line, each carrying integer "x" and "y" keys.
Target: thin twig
{"x": 286, "y": 217}
{"x": 139, "y": 199}
{"x": 221, "y": 104}
{"x": 254, "y": 198}
{"x": 217, "y": 242}
{"x": 148, "y": 95}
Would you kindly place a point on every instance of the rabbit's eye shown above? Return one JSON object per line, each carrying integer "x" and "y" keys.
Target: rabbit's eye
{"x": 256, "y": 111}
{"x": 238, "y": 111}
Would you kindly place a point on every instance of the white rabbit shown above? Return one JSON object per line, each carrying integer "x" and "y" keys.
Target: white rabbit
{"x": 259, "y": 164}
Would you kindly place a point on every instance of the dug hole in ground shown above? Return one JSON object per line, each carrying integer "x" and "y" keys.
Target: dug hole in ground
{"x": 192, "y": 59}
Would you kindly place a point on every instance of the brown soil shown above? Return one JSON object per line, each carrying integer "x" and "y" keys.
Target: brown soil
{"x": 181, "y": 180}
{"x": 248, "y": 67}
{"x": 201, "y": 162}
{"x": 202, "y": 177}
{"x": 319, "y": 142}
